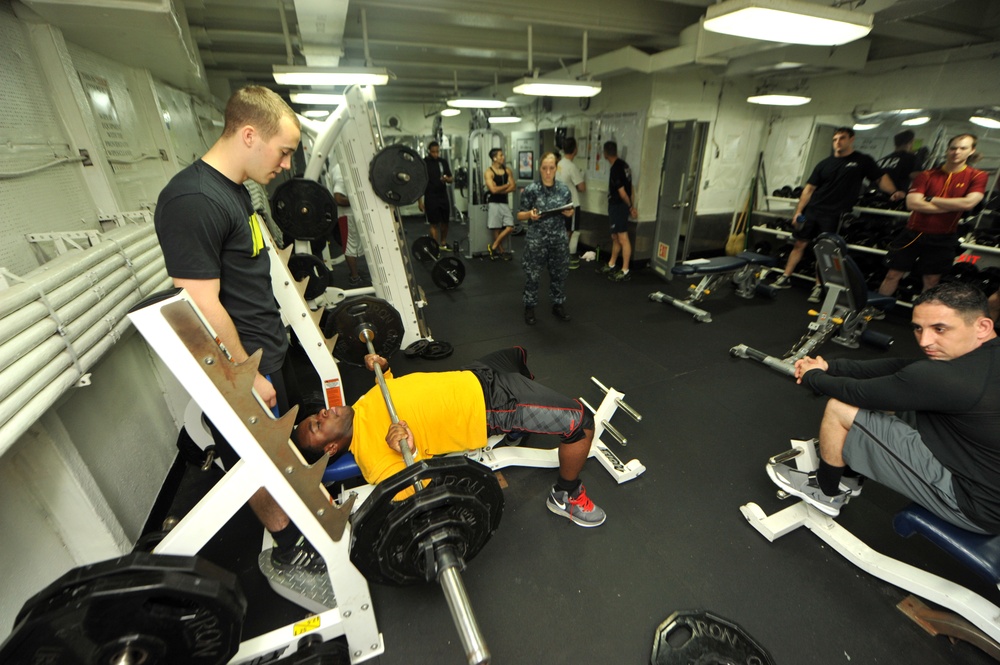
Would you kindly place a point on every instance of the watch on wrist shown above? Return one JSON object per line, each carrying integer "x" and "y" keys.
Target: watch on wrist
{"x": 928, "y": 197}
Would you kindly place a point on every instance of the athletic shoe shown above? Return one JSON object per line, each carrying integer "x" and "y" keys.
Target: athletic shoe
{"x": 576, "y": 507}
{"x": 804, "y": 486}
{"x": 620, "y": 276}
{"x": 574, "y": 262}
{"x": 852, "y": 484}
{"x": 494, "y": 254}
{"x": 529, "y": 315}
{"x": 560, "y": 313}
{"x": 876, "y": 314}
{"x": 783, "y": 282}
{"x": 355, "y": 281}
{"x": 299, "y": 557}
{"x": 815, "y": 294}
{"x": 605, "y": 269}
{"x": 444, "y": 248}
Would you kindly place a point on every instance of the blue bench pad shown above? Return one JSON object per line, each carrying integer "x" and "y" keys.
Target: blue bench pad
{"x": 978, "y": 552}
{"x": 342, "y": 468}
{"x": 719, "y": 264}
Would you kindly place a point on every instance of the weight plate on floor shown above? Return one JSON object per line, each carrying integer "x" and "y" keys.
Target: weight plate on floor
{"x": 437, "y": 351}
{"x": 398, "y": 175}
{"x": 448, "y": 273}
{"x": 140, "y": 608}
{"x": 311, "y": 267}
{"x": 703, "y": 637}
{"x": 304, "y": 209}
{"x": 416, "y": 348}
{"x": 426, "y": 248}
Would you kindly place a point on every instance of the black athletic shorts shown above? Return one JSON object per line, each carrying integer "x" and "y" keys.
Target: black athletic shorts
{"x": 810, "y": 227}
{"x": 437, "y": 211}
{"x": 930, "y": 253}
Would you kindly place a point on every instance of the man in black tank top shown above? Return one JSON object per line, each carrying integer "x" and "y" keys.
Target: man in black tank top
{"x": 499, "y": 219}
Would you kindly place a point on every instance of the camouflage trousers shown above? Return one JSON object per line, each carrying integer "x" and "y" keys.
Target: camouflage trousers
{"x": 546, "y": 247}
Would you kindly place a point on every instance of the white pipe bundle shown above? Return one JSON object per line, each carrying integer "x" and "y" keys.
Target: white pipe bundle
{"x": 59, "y": 320}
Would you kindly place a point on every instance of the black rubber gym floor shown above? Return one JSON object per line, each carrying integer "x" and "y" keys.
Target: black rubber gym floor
{"x": 547, "y": 591}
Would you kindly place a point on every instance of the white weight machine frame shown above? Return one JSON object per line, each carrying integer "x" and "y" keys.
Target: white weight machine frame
{"x": 179, "y": 334}
{"x": 979, "y": 611}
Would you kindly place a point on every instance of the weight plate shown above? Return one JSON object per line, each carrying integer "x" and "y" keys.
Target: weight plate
{"x": 437, "y": 351}
{"x": 426, "y": 248}
{"x": 460, "y": 506}
{"x": 311, "y": 267}
{"x": 376, "y": 314}
{"x": 398, "y": 175}
{"x": 703, "y": 637}
{"x": 448, "y": 273}
{"x": 304, "y": 209}
{"x": 140, "y": 608}
{"x": 416, "y": 348}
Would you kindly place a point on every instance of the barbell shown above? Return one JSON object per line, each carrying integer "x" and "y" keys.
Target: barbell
{"x": 447, "y": 272}
{"x": 454, "y": 509}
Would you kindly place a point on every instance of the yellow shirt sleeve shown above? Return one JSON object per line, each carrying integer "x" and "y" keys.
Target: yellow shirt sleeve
{"x": 445, "y": 410}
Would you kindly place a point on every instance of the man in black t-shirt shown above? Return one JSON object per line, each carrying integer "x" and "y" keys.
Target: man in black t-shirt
{"x": 621, "y": 206}
{"x": 832, "y": 190}
{"x": 901, "y": 165}
{"x": 927, "y": 428}
{"x": 212, "y": 247}
{"x": 435, "y": 203}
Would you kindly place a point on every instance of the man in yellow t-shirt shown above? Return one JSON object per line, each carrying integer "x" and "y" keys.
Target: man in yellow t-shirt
{"x": 446, "y": 412}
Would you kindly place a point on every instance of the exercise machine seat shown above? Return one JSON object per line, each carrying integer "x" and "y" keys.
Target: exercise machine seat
{"x": 978, "y": 552}
{"x": 342, "y": 468}
{"x": 715, "y": 265}
{"x": 759, "y": 259}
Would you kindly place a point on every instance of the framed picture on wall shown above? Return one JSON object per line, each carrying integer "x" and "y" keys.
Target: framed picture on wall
{"x": 526, "y": 165}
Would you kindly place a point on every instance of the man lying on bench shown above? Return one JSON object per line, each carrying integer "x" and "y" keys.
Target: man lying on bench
{"x": 942, "y": 447}
{"x": 447, "y": 412}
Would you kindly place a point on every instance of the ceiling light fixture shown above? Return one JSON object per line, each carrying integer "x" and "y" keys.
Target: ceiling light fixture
{"x": 330, "y": 76}
{"x": 315, "y": 113}
{"x": 317, "y": 98}
{"x": 448, "y": 113}
{"x": 778, "y": 99}
{"x": 864, "y": 126}
{"x": 472, "y": 103}
{"x": 788, "y": 21}
{"x": 916, "y": 122}
{"x": 988, "y": 118}
{"x": 504, "y": 119}
{"x": 556, "y": 87}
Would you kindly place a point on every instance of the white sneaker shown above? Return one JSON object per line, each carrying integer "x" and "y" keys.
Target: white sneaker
{"x": 804, "y": 486}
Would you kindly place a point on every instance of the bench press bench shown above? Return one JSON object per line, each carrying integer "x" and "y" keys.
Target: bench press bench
{"x": 745, "y": 270}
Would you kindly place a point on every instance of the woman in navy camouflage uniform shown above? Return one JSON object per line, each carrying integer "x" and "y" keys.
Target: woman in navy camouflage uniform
{"x": 544, "y": 205}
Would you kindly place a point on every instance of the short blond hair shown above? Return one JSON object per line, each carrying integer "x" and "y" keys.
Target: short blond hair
{"x": 258, "y": 107}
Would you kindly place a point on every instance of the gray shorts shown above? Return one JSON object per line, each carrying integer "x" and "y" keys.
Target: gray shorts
{"x": 890, "y": 451}
{"x": 499, "y": 216}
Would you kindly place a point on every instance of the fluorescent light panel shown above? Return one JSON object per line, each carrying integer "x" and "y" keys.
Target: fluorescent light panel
{"x": 985, "y": 121}
{"x": 317, "y": 98}
{"x": 556, "y": 88}
{"x": 779, "y": 100}
{"x": 916, "y": 122}
{"x": 448, "y": 113}
{"x": 787, "y": 21}
{"x": 865, "y": 126}
{"x": 315, "y": 113}
{"x": 503, "y": 119}
{"x": 330, "y": 76}
{"x": 470, "y": 103}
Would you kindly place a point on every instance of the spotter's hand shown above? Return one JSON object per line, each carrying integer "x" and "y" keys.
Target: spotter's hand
{"x": 398, "y": 433}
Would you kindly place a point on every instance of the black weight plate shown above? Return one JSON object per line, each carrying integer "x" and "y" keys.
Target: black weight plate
{"x": 416, "y": 348}
{"x": 448, "y": 273}
{"x": 398, "y": 175}
{"x": 437, "y": 351}
{"x": 311, "y": 267}
{"x": 304, "y": 209}
{"x": 426, "y": 248}
{"x": 461, "y": 504}
{"x": 153, "y": 609}
{"x": 703, "y": 637}
{"x": 377, "y": 314}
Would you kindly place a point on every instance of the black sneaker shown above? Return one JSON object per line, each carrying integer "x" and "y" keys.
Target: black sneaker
{"x": 529, "y": 315}
{"x": 560, "y": 313}
{"x": 300, "y": 557}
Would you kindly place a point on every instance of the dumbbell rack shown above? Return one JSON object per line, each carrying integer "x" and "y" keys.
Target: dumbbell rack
{"x": 548, "y": 458}
{"x": 179, "y": 334}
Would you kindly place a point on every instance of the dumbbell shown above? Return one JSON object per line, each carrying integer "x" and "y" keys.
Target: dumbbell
{"x": 447, "y": 272}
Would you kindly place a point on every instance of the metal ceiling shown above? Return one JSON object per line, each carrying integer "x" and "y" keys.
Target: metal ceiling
{"x": 432, "y": 45}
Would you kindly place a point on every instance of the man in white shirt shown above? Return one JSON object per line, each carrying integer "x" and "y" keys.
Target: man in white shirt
{"x": 569, "y": 174}
{"x": 352, "y": 243}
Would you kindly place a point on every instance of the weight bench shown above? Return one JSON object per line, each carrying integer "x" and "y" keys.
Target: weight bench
{"x": 496, "y": 456}
{"x": 745, "y": 270}
{"x": 977, "y": 620}
{"x": 848, "y": 307}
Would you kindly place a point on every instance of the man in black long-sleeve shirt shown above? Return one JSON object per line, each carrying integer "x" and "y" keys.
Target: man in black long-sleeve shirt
{"x": 941, "y": 446}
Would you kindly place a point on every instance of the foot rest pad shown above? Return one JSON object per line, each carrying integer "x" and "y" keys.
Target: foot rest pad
{"x": 978, "y": 552}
